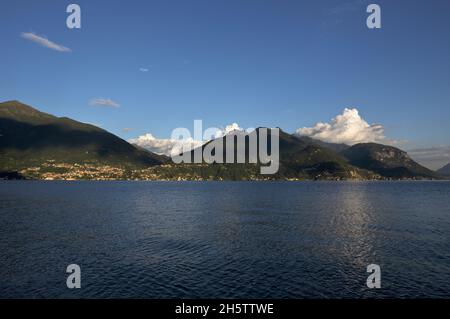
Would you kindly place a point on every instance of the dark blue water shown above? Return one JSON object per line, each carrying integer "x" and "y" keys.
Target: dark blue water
{"x": 224, "y": 239}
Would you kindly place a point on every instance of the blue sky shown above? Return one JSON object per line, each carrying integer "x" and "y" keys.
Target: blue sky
{"x": 254, "y": 62}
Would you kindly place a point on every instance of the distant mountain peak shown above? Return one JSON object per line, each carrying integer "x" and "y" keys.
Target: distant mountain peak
{"x": 445, "y": 170}
{"x": 12, "y": 102}
{"x": 16, "y": 104}
{"x": 22, "y": 112}
{"x": 386, "y": 160}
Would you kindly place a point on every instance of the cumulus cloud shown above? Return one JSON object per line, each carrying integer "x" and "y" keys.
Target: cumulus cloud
{"x": 44, "y": 42}
{"x": 172, "y": 147}
{"x": 232, "y": 128}
{"x": 164, "y": 146}
{"x": 103, "y": 102}
{"x": 433, "y": 157}
{"x": 347, "y": 128}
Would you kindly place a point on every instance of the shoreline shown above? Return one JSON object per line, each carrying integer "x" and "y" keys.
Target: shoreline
{"x": 227, "y": 180}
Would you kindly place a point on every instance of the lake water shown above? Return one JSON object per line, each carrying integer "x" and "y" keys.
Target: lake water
{"x": 224, "y": 239}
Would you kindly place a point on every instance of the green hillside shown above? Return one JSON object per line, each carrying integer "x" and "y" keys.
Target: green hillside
{"x": 30, "y": 138}
{"x": 387, "y": 161}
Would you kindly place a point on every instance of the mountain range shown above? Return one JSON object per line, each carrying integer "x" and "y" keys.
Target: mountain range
{"x": 30, "y": 138}
{"x": 38, "y": 145}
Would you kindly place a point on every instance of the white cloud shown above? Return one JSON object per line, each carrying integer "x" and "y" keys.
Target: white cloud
{"x": 433, "y": 157}
{"x": 165, "y": 146}
{"x": 228, "y": 129}
{"x": 103, "y": 102}
{"x": 143, "y": 69}
{"x": 174, "y": 146}
{"x": 348, "y": 128}
{"x": 44, "y": 42}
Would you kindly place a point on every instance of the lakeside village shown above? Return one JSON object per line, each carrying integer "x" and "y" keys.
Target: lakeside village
{"x": 51, "y": 170}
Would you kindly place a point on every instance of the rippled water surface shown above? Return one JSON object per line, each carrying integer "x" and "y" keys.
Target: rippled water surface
{"x": 224, "y": 239}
